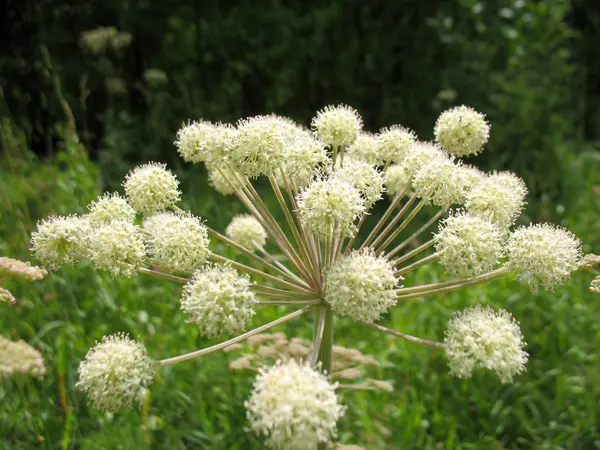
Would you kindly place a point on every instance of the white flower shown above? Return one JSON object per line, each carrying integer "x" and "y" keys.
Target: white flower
{"x": 366, "y": 148}
{"x": 462, "y": 131}
{"x": 337, "y": 126}
{"x": 117, "y": 247}
{"x": 20, "y": 358}
{"x": 364, "y": 177}
{"x": 176, "y": 242}
{"x": 151, "y": 188}
{"x": 419, "y": 155}
{"x": 397, "y": 179}
{"x": 204, "y": 142}
{"x": 110, "y": 207}
{"x": 543, "y": 254}
{"x": 440, "y": 183}
{"x": 294, "y": 407}
{"x": 394, "y": 143}
{"x": 116, "y": 373}
{"x": 482, "y": 338}
{"x": 246, "y": 231}
{"x": 219, "y": 301}
{"x": 361, "y": 286}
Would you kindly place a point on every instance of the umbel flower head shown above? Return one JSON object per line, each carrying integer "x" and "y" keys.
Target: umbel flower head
{"x": 294, "y": 406}
{"x": 20, "y": 358}
{"x": 364, "y": 177}
{"x": 246, "y": 231}
{"x": 419, "y": 155}
{"x": 543, "y": 254}
{"x": 468, "y": 245}
{"x": 361, "y": 286}
{"x": 224, "y": 185}
{"x": 117, "y": 247}
{"x": 329, "y": 204}
{"x": 116, "y": 373}
{"x": 337, "y": 126}
{"x": 483, "y": 338}
{"x": 203, "y": 141}
{"x": 500, "y": 197}
{"x": 397, "y": 179}
{"x": 151, "y": 188}
{"x": 306, "y": 154}
{"x": 440, "y": 183}
{"x": 394, "y": 143}
{"x": 462, "y": 131}
{"x": 219, "y": 301}
{"x": 13, "y": 268}
{"x": 366, "y": 148}
{"x": 110, "y": 207}
{"x": 61, "y": 240}
{"x": 176, "y": 242}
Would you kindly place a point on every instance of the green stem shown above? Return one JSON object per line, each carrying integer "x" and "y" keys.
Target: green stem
{"x": 325, "y": 356}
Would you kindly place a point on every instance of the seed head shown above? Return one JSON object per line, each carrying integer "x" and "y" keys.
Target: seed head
{"x": 366, "y": 148}
{"x": 462, "y": 131}
{"x": 219, "y": 301}
{"x": 61, "y": 240}
{"x": 394, "y": 143}
{"x": 337, "y": 126}
{"x": 116, "y": 373}
{"x": 246, "y": 231}
{"x": 176, "y": 242}
{"x": 110, "y": 207}
{"x": 330, "y": 204}
{"x": 543, "y": 254}
{"x": 500, "y": 197}
{"x": 294, "y": 407}
{"x": 117, "y": 247}
{"x": 361, "y": 286}
{"x": 440, "y": 183}
{"x": 364, "y": 177}
{"x": 20, "y": 358}
{"x": 468, "y": 245}
{"x": 151, "y": 188}
{"x": 483, "y": 338}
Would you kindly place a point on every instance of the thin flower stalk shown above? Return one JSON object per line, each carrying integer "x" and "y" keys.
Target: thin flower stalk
{"x": 383, "y": 234}
{"x": 413, "y": 253}
{"x": 417, "y": 233}
{"x": 382, "y": 221}
{"x": 417, "y": 264}
{"x": 404, "y": 336}
{"x": 400, "y": 228}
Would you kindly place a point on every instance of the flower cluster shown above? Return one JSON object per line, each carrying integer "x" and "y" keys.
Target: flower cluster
{"x": 20, "y": 358}
{"x": 247, "y": 231}
{"x": 13, "y": 268}
{"x": 151, "y": 188}
{"x": 337, "y": 126}
{"x": 462, "y": 131}
{"x": 110, "y": 207}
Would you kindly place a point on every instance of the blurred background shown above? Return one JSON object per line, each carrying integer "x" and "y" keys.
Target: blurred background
{"x": 90, "y": 89}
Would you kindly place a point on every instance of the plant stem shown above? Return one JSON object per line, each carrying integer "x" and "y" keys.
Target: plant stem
{"x": 288, "y": 302}
{"x": 407, "y": 337}
{"x": 417, "y": 264}
{"x": 318, "y": 336}
{"x": 325, "y": 356}
{"x": 417, "y": 233}
{"x": 166, "y": 276}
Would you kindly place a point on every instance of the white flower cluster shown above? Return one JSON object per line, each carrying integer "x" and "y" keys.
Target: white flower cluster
{"x": 462, "y": 131}
{"x": 203, "y": 141}
{"x": 361, "y": 286}
{"x": 337, "y": 126}
{"x": 219, "y": 301}
{"x": 117, "y": 247}
{"x": 483, "y": 338}
{"x": 151, "y": 188}
{"x": 13, "y": 268}
{"x": 20, "y": 358}
{"x": 116, "y": 373}
{"x": 247, "y": 231}
{"x": 176, "y": 242}
{"x": 363, "y": 176}
{"x": 110, "y": 207}
{"x": 394, "y": 143}
{"x": 440, "y": 183}
{"x": 397, "y": 179}
{"x": 294, "y": 407}
{"x": 366, "y": 148}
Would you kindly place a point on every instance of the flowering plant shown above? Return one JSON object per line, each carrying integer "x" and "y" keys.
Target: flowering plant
{"x": 325, "y": 181}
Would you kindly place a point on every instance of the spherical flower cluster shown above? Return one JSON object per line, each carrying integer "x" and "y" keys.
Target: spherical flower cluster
{"x": 219, "y": 301}
{"x": 330, "y": 204}
{"x": 117, "y": 247}
{"x": 294, "y": 407}
{"x": 472, "y": 176}
{"x": 337, "y": 126}
{"x": 13, "y": 268}
{"x": 499, "y": 197}
{"x": 394, "y": 143}
{"x": 176, "y": 242}
{"x": 110, "y": 207}
{"x": 246, "y": 231}
{"x": 151, "y": 188}
{"x": 440, "y": 183}
{"x": 260, "y": 145}
{"x": 223, "y": 181}
{"x": 468, "y": 245}
{"x": 462, "y": 131}
{"x": 306, "y": 154}
{"x": 20, "y": 358}
{"x": 419, "y": 155}
{"x": 361, "y": 286}
{"x": 204, "y": 142}
{"x": 396, "y": 179}
{"x": 366, "y": 148}
{"x": 483, "y": 338}
{"x": 364, "y": 177}
{"x": 116, "y": 373}
{"x": 543, "y": 254}
{"x": 61, "y": 240}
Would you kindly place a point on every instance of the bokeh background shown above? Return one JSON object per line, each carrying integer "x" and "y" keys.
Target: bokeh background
{"x": 91, "y": 88}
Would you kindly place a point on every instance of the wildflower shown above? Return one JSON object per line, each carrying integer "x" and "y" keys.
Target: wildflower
{"x": 20, "y": 358}
{"x": 223, "y": 180}
{"x": 13, "y": 268}
{"x": 117, "y": 247}
{"x": 305, "y": 155}
{"x": 364, "y": 177}
{"x": 595, "y": 285}
{"x": 246, "y": 231}
{"x": 61, "y": 240}
{"x": 462, "y": 131}
{"x": 419, "y": 155}
{"x": 468, "y": 245}
{"x": 543, "y": 254}
{"x": 294, "y": 407}
{"x": 366, "y": 148}
{"x": 337, "y": 126}
{"x": 397, "y": 179}
{"x": 219, "y": 301}
{"x": 110, "y": 207}
{"x": 176, "y": 242}
{"x": 483, "y": 338}
{"x": 394, "y": 143}
{"x": 116, "y": 373}
{"x": 6, "y": 296}
{"x": 203, "y": 141}
{"x": 330, "y": 204}
{"x": 440, "y": 183}
{"x": 361, "y": 286}
{"x": 151, "y": 188}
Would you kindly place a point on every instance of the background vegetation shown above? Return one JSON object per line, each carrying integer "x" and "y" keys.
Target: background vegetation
{"x": 531, "y": 66}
